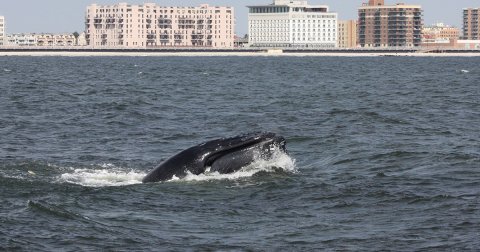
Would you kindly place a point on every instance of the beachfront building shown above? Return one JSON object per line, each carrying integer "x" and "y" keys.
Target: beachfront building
{"x": 81, "y": 39}
{"x": 43, "y": 39}
{"x": 292, "y": 23}
{"x": 381, "y": 25}
{"x": 241, "y": 42}
{"x": 21, "y": 39}
{"x": 347, "y": 33}
{"x": 440, "y": 35}
{"x": 150, "y": 25}
{"x": 440, "y": 32}
{"x": 468, "y": 44}
{"x": 471, "y": 22}
{"x": 55, "y": 40}
{"x": 2, "y": 30}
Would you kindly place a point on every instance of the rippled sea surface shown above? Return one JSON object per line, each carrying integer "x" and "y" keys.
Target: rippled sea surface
{"x": 384, "y": 153}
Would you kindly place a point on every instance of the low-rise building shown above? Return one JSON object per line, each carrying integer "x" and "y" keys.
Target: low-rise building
{"x": 150, "y": 25}
{"x": 21, "y": 39}
{"x": 241, "y": 42}
{"x": 292, "y": 23}
{"x": 43, "y": 39}
{"x": 440, "y": 35}
{"x": 347, "y": 33}
{"x": 468, "y": 44}
{"x": 2, "y": 30}
{"x": 440, "y": 32}
{"x": 55, "y": 40}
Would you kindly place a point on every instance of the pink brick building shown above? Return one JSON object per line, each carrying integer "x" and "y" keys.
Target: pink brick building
{"x": 151, "y": 26}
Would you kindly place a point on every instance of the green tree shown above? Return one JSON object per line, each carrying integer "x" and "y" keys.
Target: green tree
{"x": 76, "y": 35}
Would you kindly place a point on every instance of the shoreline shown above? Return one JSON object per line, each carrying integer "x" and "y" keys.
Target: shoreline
{"x": 47, "y": 53}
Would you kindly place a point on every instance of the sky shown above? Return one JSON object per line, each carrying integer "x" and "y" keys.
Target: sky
{"x": 68, "y": 16}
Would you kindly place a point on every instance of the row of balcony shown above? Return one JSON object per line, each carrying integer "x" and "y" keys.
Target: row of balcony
{"x": 149, "y": 21}
{"x": 378, "y": 29}
{"x": 392, "y": 26}
{"x": 415, "y": 34}
{"x": 414, "y": 38}
{"x": 168, "y": 38}
{"x": 166, "y": 27}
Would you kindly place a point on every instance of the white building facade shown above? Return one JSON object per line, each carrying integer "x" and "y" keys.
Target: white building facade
{"x": 292, "y": 23}
{"x": 21, "y": 40}
{"x": 150, "y": 25}
{"x": 2, "y": 30}
{"x": 44, "y": 39}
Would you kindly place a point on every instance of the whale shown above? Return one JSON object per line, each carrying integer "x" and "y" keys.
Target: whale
{"x": 224, "y": 155}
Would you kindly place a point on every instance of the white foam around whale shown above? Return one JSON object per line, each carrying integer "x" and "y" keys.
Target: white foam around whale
{"x": 111, "y": 175}
{"x": 279, "y": 160}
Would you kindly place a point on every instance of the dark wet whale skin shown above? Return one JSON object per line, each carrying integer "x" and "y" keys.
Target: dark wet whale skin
{"x": 225, "y": 155}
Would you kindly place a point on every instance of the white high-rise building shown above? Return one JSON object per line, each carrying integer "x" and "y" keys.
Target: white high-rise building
{"x": 2, "y": 30}
{"x": 292, "y": 23}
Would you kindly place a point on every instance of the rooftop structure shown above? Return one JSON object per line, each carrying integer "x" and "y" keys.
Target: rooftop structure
{"x": 150, "y": 25}
{"x": 381, "y": 25}
{"x": 471, "y": 22}
{"x": 292, "y": 23}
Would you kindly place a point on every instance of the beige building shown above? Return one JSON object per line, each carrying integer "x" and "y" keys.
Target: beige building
{"x": 381, "y": 25}
{"x": 2, "y": 30}
{"x": 471, "y": 22}
{"x": 347, "y": 33}
{"x": 150, "y": 25}
{"x": 439, "y": 34}
{"x": 56, "y": 40}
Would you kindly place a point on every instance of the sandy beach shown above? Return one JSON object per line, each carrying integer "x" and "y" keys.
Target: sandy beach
{"x": 225, "y": 54}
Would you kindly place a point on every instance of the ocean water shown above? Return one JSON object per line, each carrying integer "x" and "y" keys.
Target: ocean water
{"x": 384, "y": 153}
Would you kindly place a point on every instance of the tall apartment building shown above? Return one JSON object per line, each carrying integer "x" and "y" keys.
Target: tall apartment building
{"x": 381, "y": 25}
{"x": 292, "y": 23}
{"x": 471, "y": 22}
{"x": 347, "y": 33}
{"x": 2, "y": 30}
{"x": 150, "y": 25}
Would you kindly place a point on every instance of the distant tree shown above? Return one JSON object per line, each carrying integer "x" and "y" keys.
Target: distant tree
{"x": 246, "y": 36}
{"x": 76, "y": 35}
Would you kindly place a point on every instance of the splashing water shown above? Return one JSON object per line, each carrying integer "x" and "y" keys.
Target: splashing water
{"x": 279, "y": 160}
{"x": 115, "y": 176}
{"x": 111, "y": 176}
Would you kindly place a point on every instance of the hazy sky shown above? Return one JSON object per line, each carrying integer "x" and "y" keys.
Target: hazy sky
{"x": 68, "y": 15}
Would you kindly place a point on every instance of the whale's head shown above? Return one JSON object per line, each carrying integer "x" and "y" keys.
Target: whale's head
{"x": 225, "y": 155}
